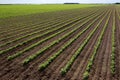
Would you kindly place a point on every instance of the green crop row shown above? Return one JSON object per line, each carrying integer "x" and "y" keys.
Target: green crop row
{"x": 53, "y": 57}
{"x": 27, "y": 29}
{"x": 36, "y": 27}
{"x": 36, "y": 44}
{"x": 30, "y": 58}
{"x": 45, "y": 27}
{"x": 65, "y": 69}
{"x": 90, "y": 63}
{"x": 33, "y": 38}
{"x": 40, "y": 22}
{"x": 113, "y": 48}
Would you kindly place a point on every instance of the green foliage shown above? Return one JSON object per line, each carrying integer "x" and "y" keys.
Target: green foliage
{"x": 31, "y": 39}
{"x": 16, "y": 10}
{"x": 41, "y": 41}
{"x": 40, "y": 27}
{"x": 86, "y": 73}
{"x": 30, "y": 58}
{"x": 46, "y": 63}
{"x": 70, "y": 62}
{"x": 113, "y": 48}
{"x": 27, "y": 60}
{"x": 63, "y": 71}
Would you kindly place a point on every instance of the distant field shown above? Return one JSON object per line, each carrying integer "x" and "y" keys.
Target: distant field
{"x": 15, "y": 10}
{"x": 78, "y": 44}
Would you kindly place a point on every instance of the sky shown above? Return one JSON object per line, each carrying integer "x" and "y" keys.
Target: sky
{"x": 55, "y": 1}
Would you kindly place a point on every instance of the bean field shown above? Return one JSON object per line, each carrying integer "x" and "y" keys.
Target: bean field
{"x": 72, "y": 44}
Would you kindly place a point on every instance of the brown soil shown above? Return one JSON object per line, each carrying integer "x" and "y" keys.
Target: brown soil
{"x": 101, "y": 67}
{"x": 117, "y": 47}
{"x": 14, "y": 70}
{"x": 49, "y": 52}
